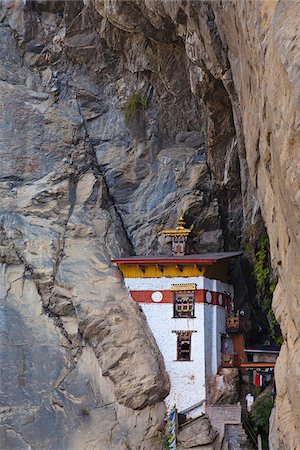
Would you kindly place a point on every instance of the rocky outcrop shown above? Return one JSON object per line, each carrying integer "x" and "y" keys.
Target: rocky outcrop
{"x": 263, "y": 68}
{"x": 197, "y": 434}
{"x": 78, "y": 186}
{"x": 79, "y": 365}
{"x": 223, "y": 387}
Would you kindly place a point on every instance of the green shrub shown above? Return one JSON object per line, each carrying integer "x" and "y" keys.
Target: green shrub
{"x": 260, "y": 414}
{"x": 134, "y": 104}
{"x": 259, "y": 254}
{"x": 261, "y": 266}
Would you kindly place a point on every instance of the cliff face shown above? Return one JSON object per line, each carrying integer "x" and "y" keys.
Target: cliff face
{"x": 263, "y": 50}
{"x": 218, "y": 139}
{"x": 79, "y": 365}
{"x": 242, "y": 60}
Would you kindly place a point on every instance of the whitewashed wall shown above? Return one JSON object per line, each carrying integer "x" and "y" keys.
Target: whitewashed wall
{"x": 221, "y": 329}
{"x": 208, "y": 326}
{"x": 215, "y": 325}
{"x": 164, "y": 283}
{"x": 187, "y": 377}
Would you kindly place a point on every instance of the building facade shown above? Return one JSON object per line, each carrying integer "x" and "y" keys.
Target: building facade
{"x": 185, "y": 299}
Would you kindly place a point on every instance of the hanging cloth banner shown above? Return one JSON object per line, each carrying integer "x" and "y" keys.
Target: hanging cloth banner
{"x": 257, "y": 380}
{"x": 172, "y": 428}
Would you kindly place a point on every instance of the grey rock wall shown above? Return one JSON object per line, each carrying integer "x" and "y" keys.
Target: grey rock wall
{"x": 79, "y": 186}
{"x": 79, "y": 365}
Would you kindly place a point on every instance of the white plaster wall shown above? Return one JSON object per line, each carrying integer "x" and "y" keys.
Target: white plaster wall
{"x": 187, "y": 377}
{"x": 208, "y": 336}
{"x": 221, "y": 329}
{"x": 215, "y": 325}
{"x": 164, "y": 283}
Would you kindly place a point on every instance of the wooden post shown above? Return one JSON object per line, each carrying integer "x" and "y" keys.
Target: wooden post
{"x": 259, "y": 442}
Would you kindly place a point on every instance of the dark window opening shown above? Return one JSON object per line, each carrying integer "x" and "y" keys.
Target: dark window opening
{"x": 184, "y": 345}
{"x": 184, "y": 304}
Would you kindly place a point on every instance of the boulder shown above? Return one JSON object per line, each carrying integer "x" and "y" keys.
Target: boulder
{"x": 223, "y": 387}
{"x": 197, "y": 434}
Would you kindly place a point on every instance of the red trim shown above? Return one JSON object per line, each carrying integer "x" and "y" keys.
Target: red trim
{"x": 255, "y": 365}
{"x": 170, "y": 261}
{"x": 168, "y": 297}
{"x": 205, "y": 258}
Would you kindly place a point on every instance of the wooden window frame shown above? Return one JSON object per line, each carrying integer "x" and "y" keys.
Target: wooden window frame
{"x": 187, "y": 309}
{"x": 183, "y": 337}
{"x": 179, "y": 245}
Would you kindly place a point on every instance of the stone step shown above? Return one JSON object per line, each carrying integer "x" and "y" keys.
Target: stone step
{"x": 237, "y": 438}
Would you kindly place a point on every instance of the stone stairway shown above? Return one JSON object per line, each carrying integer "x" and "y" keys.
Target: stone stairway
{"x": 236, "y": 437}
{"x": 222, "y": 415}
{"x": 226, "y": 420}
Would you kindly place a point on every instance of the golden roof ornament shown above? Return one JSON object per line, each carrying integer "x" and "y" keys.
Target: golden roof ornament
{"x": 180, "y": 229}
{"x": 181, "y": 222}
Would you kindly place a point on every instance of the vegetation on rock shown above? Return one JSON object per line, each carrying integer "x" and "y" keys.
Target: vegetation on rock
{"x": 134, "y": 104}
{"x": 260, "y": 415}
{"x": 266, "y": 282}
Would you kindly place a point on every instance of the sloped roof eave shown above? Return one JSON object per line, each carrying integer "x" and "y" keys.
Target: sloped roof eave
{"x": 207, "y": 259}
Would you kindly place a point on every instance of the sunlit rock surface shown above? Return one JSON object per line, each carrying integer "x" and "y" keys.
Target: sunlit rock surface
{"x": 79, "y": 365}
{"x": 224, "y": 387}
{"x": 219, "y": 139}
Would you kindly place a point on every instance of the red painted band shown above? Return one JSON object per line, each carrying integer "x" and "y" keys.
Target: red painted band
{"x": 169, "y": 261}
{"x": 168, "y": 297}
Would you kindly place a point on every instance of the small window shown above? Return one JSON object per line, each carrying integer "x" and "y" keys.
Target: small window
{"x": 184, "y": 304}
{"x": 179, "y": 245}
{"x": 184, "y": 345}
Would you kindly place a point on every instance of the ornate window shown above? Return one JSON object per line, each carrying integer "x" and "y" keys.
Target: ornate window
{"x": 184, "y": 345}
{"x": 184, "y": 304}
{"x": 179, "y": 245}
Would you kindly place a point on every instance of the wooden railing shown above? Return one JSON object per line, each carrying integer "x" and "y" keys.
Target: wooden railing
{"x": 249, "y": 429}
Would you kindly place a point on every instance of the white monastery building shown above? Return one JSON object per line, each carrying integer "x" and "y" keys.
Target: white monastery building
{"x": 185, "y": 299}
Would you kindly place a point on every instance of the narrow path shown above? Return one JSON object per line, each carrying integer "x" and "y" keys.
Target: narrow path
{"x": 236, "y": 437}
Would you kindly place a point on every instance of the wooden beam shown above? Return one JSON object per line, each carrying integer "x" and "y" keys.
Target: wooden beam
{"x": 257, "y": 365}
{"x": 179, "y": 267}
{"x": 142, "y": 268}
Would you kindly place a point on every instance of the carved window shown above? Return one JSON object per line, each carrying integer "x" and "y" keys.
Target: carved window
{"x": 184, "y": 304}
{"x": 184, "y": 339}
{"x": 179, "y": 245}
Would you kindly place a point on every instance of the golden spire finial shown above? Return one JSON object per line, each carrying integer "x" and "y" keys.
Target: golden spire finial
{"x": 181, "y": 221}
{"x": 180, "y": 229}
